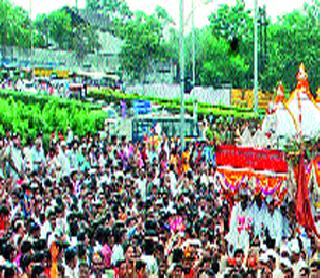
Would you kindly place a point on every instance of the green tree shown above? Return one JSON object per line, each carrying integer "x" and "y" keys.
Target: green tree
{"x": 60, "y": 28}
{"x": 144, "y": 43}
{"x": 14, "y": 25}
{"x": 233, "y": 25}
{"x": 292, "y": 40}
{"x": 113, "y": 9}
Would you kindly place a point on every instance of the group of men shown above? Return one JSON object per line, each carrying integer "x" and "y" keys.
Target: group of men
{"x": 88, "y": 206}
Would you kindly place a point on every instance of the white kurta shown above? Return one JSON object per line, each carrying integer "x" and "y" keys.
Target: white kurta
{"x": 238, "y": 236}
{"x": 274, "y": 225}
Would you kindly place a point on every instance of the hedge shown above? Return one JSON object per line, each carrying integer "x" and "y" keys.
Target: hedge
{"x": 174, "y": 104}
{"x": 31, "y": 114}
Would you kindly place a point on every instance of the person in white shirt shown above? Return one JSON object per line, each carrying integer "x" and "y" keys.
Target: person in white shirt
{"x": 149, "y": 259}
{"x": 71, "y": 262}
{"x": 117, "y": 249}
{"x": 64, "y": 160}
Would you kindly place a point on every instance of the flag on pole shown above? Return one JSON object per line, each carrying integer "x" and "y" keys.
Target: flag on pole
{"x": 303, "y": 206}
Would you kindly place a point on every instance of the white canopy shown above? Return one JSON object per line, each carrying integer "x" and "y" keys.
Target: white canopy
{"x": 281, "y": 122}
{"x": 259, "y": 139}
{"x": 310, "y": 113}
{"x": 246, "y": 138}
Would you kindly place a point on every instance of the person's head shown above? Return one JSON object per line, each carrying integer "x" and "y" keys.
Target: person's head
{"x": 266, "y": 272}
{"x": 142, "y": 269}
{"x": 83, "y": 269}
{"x": 239, "y": 256}
{"x": 177, "y": 271}
{"x": 26, "y": 263}
{"x": 26, "y": 247}
{"x": 314, "y": 269}
{"x": 10, "y": 272}
{"x": 129, "y": 253}
{"x": 304, "y": 272}
{"x": 122, "y": 269}
{"x": 285, "y": 266}
{"x": 288, "y": 273}
{"x": 37, "y": 271}
{"x": 70, "y": 257}
{"x": 38, "y": 144}
{"x": 98, "y": 262}
{"x": 15, "y": 196}
{"x": 271, "y": 206}
{"x": 252, "y": 259}
{"x": 15, "y": 140}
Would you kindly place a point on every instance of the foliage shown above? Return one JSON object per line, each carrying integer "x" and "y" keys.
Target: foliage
{"x": 69, "y": 31}
{"x": 150, "y": 40}
{"x": 230, "y": 22}
{"x": 174, "y": 104}
{"x": 144, "y": 43}
{"x": 29, "y": 115}
{"x": 60, "y": 28}
{"x": 210, "y": 67}
{"x": 15, "y": 25}
{"x": 291, "y": 41}
{"x": 115, "y": 10}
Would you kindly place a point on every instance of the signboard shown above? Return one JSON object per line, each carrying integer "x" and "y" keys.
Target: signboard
{"x": 142, "y": 107}
{"x": 49, "y": 72}
{"x": 250, "y": 158}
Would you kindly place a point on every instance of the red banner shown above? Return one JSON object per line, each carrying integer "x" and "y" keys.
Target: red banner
{"x": 239, "y": 157}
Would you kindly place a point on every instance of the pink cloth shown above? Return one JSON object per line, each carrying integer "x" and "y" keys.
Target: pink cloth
{"x": 16, "y": 260}
{"x": 107, "y": 253}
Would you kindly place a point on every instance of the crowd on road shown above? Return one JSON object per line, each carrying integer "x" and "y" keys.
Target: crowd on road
{"x": 89, "y": 206}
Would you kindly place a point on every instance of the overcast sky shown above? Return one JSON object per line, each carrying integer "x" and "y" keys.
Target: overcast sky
{"x": 274, "y": 7}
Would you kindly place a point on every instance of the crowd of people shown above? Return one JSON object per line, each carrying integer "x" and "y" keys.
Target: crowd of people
{"x": 90, "y": 206}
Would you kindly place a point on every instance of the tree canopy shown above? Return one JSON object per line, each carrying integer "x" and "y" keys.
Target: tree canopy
{"x": 224, "y": 48}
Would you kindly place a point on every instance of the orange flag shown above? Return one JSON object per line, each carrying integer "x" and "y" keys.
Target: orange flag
{"x": 303, "y": 206}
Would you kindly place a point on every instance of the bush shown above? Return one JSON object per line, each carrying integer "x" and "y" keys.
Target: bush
{"x": 31, "y": 114}
{"x": 173, "y": 105}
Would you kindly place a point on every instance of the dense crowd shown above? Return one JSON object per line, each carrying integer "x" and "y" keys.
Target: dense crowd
{"x": 104, "y": 207}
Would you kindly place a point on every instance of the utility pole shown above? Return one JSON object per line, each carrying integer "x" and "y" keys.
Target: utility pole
{"x": 181, "y": 77}
{"x": 193, "y": 48}
{"x": 31, "y": 40}
{"x": 256, "y": 84}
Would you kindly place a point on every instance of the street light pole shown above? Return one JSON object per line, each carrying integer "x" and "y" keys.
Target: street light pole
{"x": 181, "y": 77}
{"x": 193, "y": 48}
{"x": 31, "y": 39}
{"x": 256, "y": 84}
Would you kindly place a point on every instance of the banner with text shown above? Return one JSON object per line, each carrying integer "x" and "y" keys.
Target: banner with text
{"x": 260, "y": 160}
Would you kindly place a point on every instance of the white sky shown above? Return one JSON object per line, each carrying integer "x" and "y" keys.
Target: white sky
{"x": 274, "y": 7}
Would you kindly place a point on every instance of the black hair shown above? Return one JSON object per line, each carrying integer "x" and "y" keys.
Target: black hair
{"x": 38, "y": 257}
{"x": 82, "y": 251}
{"x": 74, "y": 228}
{"x": 140, "y": 265}
{"x": 69, "y": 255}
{"x": 39, "y": 245}
{"x": 81, "y": 236}
{"x": 36, "y": 270}
{"x": 9, "y": 272}
{"x": 177, "y": 255}
{"x": 7, "y": 250}
{"x": 25, "y": 261}
{"x": 117, "y": 235}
